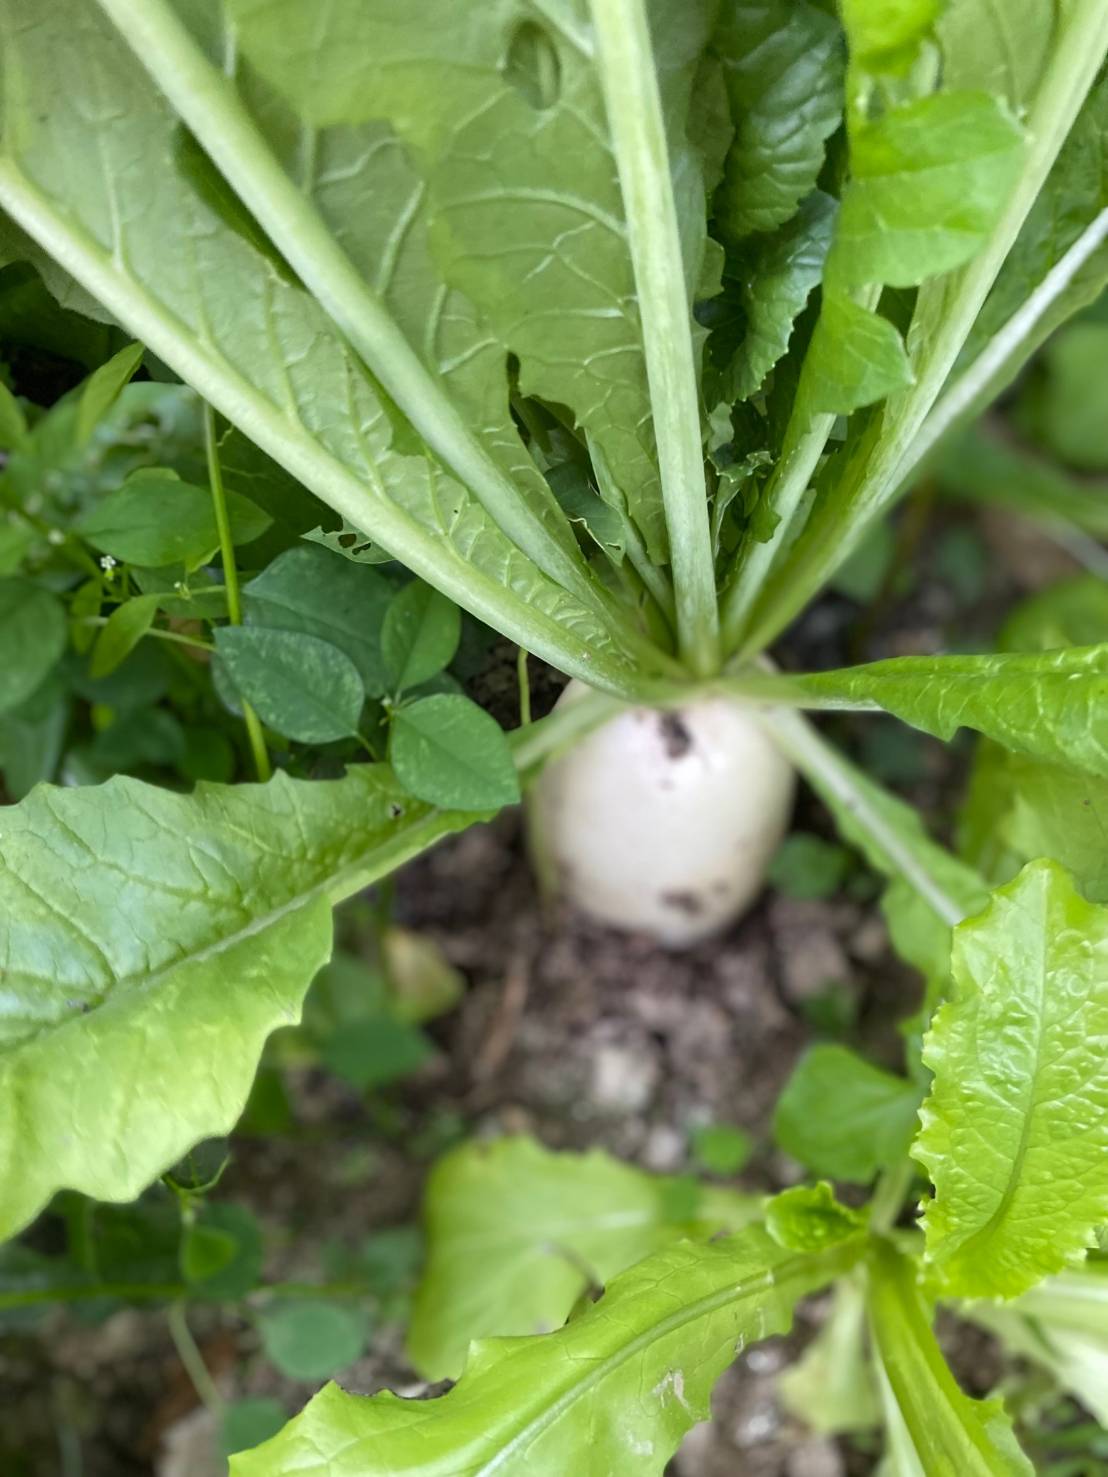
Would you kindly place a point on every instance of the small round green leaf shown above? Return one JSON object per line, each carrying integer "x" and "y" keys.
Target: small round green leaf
{"x": 310, "y": 589}
{"x": 32, "y": 638}
{"x": 310, "y": 1341}
{"x": 301, "y": 686}
{"x": 420, "y": 635}
{"x": 451, "y": 753}
{"x": 155, "y": 519}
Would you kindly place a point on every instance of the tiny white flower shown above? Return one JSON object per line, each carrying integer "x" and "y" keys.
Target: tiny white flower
{"x": 55, "y": 536}
{"x": 107, "y": 563}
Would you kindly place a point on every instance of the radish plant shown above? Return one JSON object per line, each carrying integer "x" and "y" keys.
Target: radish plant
{"x": 618, "y": 323}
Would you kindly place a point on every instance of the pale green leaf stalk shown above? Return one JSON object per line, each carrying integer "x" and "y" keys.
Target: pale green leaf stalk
{"x": 638, "y": 132}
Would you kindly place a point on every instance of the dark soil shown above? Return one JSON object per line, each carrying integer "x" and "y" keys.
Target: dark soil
{"x": 576, "y": 1034}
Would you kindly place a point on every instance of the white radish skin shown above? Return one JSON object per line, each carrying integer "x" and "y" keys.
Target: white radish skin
{"x": 662, "y": 822}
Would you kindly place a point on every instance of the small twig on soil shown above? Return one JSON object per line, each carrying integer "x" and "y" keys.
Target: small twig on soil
{"x": 506, "y": 1017}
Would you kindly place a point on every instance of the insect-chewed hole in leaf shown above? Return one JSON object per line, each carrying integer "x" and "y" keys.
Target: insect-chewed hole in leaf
{"x": 532, "y": 67}
{"x": 194, "y": 164}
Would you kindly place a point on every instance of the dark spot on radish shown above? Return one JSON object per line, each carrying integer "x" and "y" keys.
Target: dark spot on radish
{"x": 676, "y": 737}
{"x": 683, "y": 902}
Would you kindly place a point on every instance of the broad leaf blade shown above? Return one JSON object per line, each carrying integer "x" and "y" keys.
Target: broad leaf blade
{"x": 614, "y": 1390}
{"x": 253, "y": 343}
{"x": 1015, "y": 1131}
{"x": 1048, "y": 705}
{"x": 151, "y": 943}
{"x": 516, "y": 1233}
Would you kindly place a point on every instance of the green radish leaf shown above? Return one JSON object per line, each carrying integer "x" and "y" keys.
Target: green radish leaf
{"x": 139, "y": 927}
{"x": 419, "y": 636}
{"x": 840, "y": 1115}
{"x": 449, "y": 752}
{"x": 1061, "y": 1326}
{"x": 309, "y": 590}
{"x": 881, "y": 34}
{"x": 619, "y": 1384}
{"x": 777, "y": 281}
{"x": 783, "y": 69}
{"x": 127, "y": 625}
{"x": 32, "y": 638}
{"x": 927, "y": 182}
{"x": 999, "y": 49}
{"x": 1073, "y": 612}
{"x": 156, "y": 519}
{"x": 1019, "y": 1101}
{"x": 943, "y": 1432}
{"x": 1068, "y": 408}
{"x": 856, "y": 358}
{"x": 302, "y": 687}
{"x": 311, "y": 1340}
{"x": 809, "y": 1218}
{"x": 516, "y": 1233}
{"x": 1048, "y": 705}
{"x": 264, "y": 352}
{"x": 102, "y": 389}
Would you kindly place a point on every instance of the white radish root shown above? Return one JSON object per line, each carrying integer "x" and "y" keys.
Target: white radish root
{"x": 662, "y": 822}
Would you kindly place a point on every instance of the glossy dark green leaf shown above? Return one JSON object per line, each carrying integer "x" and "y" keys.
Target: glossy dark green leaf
{"x": 155, "y": 519}
{"x": 419, "y": 636}
{"x": 783, "y": 68}
{"x": 32, "y": 638}
{"x": 448, "y": 751}
{"x": 311, "y": 590}
{"x": 301, "y": 686}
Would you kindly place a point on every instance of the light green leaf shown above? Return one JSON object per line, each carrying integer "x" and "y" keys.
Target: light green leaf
{"x": 927, "y": 183}
{"x": 884, "y": 30}
{"x": 809, "y": 1218}
{"x": 151, "y": 942}
{"x": 516, "y": 1234}
{"x": 218, "y": 311}
{"x": 783, "y": 69}
{"x": 32, "y": 638}
{"x": 1015, "y": 1131}
{"x": 831, "y": 1387}
{"x": 156, "y": 519}
{"x": 497, "y": 165}
{"x": 1073, "y": 612}
{"x": 946, "y": 1434}
{"x": 310, "y": 590}
{"x": 102, "y": 389}
{"x": 1000, "y": 49}
{"x": 300, "y": 686}
{"x": 1049, "y": 705}
{"x": 855, "y": 358}
{"x": 127, "y": 625}
{"x": 840, "y": 1115}
{"x": 419, "y": 636}
{"x": 450, "y": 752}
{"x": 786, "y": 268}
{"x": 1062, "y": 1326}
{"x": 312, "y": 1340}
{"x": 617, "y": 1387}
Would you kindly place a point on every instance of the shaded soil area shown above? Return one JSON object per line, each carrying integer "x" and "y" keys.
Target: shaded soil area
{"x": 574, "y": 1033}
